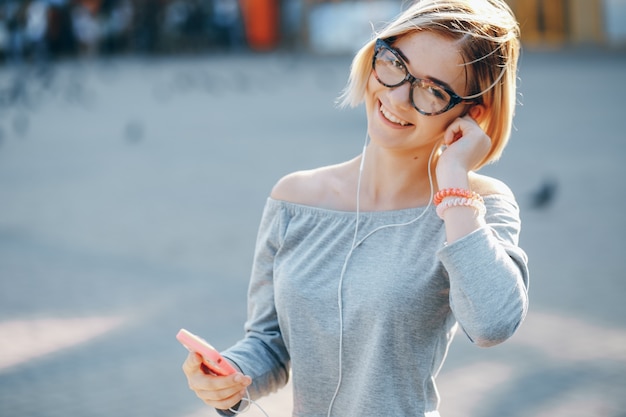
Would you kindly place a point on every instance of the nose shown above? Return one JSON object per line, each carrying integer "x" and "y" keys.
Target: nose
{"x": 400, "y": 96}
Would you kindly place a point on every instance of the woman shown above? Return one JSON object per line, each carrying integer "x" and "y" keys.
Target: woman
{"x": 364, "y": 270}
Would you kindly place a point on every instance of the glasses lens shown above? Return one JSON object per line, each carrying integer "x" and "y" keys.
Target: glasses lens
{"x": 390, "y": 70}
{"x": 429, "y": 97}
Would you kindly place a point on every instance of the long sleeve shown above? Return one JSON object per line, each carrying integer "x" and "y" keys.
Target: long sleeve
{"x": 488, "y": 275}
{"x": 402, "y": 294}
{"x": 262, "y": 353}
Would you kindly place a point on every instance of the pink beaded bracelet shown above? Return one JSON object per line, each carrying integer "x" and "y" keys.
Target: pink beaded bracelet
{"x": 448, "y": 202}
{"x": 455, "y": 192}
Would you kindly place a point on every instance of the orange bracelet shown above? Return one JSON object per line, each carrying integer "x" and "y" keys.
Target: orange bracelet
{"x": 455, "y": 192}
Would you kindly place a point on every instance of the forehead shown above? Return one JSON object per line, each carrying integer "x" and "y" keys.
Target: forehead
{"x": 433, "y": 56}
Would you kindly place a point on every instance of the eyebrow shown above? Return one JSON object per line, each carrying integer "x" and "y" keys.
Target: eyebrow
{"x": 436, "y": 80}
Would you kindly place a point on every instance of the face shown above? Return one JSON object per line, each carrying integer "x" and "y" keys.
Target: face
{"x": 392, "y": 119}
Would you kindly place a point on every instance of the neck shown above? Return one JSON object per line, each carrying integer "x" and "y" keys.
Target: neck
{"x": 395, "y": 181}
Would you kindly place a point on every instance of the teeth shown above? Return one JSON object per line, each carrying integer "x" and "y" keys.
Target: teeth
{"x": 392, "y": 118}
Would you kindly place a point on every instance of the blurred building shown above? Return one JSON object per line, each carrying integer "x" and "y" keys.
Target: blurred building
{"x": 571, "y": 22}
{"x": 38, "y": 30}
{"x": 544, "y": 23}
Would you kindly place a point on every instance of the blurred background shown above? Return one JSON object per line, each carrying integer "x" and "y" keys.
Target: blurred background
{"x": 37, "y": 30}
{"x": 139, "y": 140}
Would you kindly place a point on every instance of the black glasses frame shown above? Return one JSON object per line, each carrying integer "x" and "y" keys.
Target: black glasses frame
{"x": 454, "y": 97}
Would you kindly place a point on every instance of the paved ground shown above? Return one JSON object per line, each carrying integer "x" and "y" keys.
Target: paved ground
{"x": 130, "y": 193}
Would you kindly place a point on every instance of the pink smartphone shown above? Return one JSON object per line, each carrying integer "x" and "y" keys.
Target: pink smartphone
{"x": 212, "y": 358}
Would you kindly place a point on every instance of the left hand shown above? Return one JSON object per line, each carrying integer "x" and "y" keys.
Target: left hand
{"x": 467, "y": 145}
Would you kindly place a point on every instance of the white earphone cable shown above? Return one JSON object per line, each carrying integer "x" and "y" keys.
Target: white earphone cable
{"x": 250, "y": 403}
{"x": 356, "y": 243}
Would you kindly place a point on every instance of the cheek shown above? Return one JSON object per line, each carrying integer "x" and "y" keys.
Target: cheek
{"x": 372, "y": 82}
{"x": 437, "y": 128}
{"x": 372, "y": 90}
{"x": 441, "y": 122}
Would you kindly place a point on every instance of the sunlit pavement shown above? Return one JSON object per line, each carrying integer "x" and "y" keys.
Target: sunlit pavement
{"x": 131, "y": 190}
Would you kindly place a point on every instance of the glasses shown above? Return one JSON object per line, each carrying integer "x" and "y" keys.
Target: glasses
{"x": 428, "y": 97}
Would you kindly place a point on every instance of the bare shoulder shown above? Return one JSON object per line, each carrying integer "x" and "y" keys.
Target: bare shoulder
{"x": 485, "y": 185}
{"x": 298, "y": 187}
{"x": 319, "y": 187}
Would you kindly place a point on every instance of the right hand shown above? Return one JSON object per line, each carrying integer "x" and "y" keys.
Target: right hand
{"x": 221, "y": 392}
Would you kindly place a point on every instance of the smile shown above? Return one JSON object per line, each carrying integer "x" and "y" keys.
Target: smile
{"x": 390, "y": 117}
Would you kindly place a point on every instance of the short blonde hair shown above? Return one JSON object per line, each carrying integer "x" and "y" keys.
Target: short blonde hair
{"x": 488, "y": 37}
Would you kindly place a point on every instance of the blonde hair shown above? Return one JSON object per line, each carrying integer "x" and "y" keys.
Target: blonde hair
{"x": 488, "y": 38}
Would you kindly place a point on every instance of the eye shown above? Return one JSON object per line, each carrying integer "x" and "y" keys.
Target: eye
{"x": 436, "y": 92}
{"x": 397, "y": 64}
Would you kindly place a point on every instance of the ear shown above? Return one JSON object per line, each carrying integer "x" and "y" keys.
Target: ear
{"x": 477, "y": 112}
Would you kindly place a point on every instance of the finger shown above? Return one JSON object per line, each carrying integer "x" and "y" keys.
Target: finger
{"x": 192, "y": 364}
{"x": 456, "y": 130}
{"x": 228, "y": 395}
{"x": 453, "y": 133}
{"x": 195, "y": 364}
{"x": 200, "y": 381}
{"x": 226, "y": 403}
{"x": 220, "y": 394}
{"x": 459, "y": 128}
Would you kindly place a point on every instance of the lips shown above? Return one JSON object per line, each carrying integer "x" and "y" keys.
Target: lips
{"x": 391, "y": 117}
